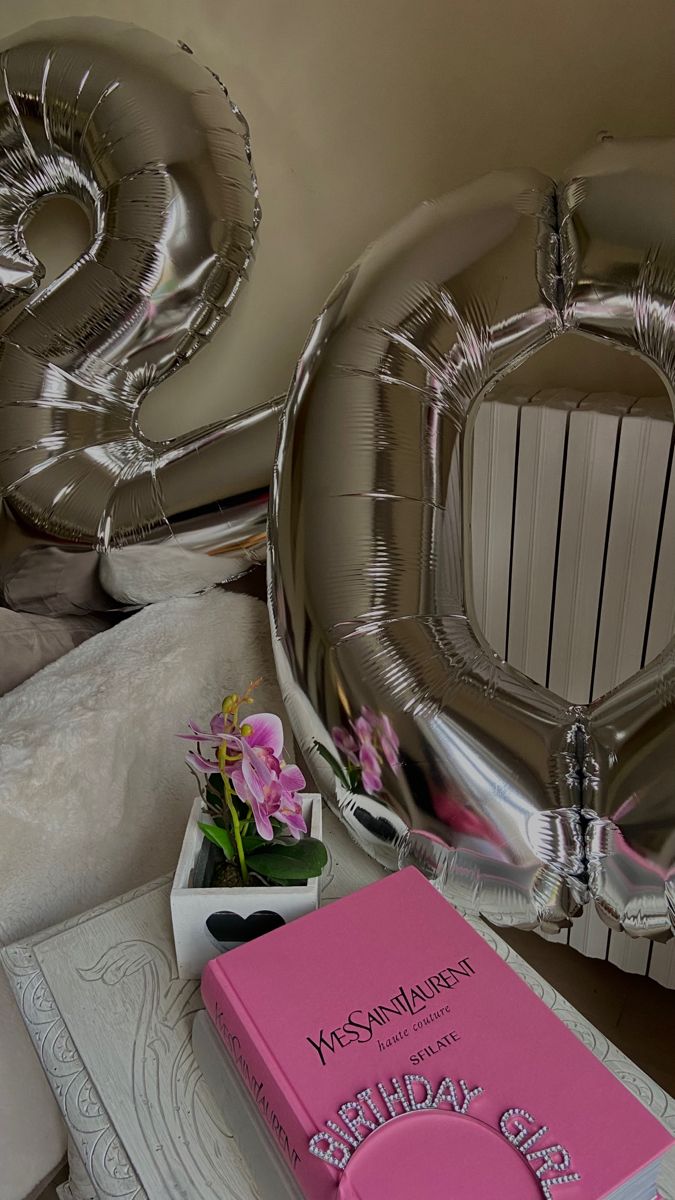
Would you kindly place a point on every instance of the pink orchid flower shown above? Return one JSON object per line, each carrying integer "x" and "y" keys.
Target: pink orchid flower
{"x": 219, "y": 732}
{"x": 255, "y": 767}
{"x": 264, "y": 733}
{"x": 269, "y": 790}
{"x": 263, "y": 781}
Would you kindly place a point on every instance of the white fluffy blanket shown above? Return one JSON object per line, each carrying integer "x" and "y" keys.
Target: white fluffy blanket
{"x": 147, "y": 573}
{"x": 94, "y": 793}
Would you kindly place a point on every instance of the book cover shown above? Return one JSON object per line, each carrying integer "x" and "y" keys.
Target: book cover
{"x": 387, "y": 1004}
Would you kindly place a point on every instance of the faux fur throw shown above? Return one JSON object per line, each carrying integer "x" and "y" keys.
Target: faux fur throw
{"x": 147, "y": 573}
{"x": 94, "y": 793}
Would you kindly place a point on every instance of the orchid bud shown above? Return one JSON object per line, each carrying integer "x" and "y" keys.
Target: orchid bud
{"x": 246, "y": 729}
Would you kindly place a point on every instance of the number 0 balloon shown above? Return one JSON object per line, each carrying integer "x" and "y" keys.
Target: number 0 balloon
{"x": 148, "y": 142}
{"x": 548, "y": 806}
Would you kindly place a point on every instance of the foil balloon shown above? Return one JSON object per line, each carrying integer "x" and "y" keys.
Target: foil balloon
{"x": 546, "y": 805}
{"x": 148, "y": 142}
{"x": 622, "y": 240}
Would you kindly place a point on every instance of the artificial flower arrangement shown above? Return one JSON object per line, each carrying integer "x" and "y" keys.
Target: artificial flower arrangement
{"x": 251, "y": 794}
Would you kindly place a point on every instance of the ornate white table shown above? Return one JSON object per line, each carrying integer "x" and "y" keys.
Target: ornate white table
{"x": 111, "y": 1023}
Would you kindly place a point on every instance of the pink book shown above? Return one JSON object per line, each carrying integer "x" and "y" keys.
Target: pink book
{"x": 393, "y": 1054}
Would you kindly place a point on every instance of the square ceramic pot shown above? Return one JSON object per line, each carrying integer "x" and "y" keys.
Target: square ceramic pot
{"x": 209, "y": 921}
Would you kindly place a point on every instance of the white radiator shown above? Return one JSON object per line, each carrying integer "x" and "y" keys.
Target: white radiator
{"x": 573, "y": 540}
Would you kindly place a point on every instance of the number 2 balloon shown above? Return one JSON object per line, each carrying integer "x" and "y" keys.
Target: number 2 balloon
{"x": 148, "y": 142}
{"x": 548, "y": 806}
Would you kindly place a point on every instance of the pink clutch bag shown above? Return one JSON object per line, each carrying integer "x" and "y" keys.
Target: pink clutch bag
{"x": 386, "y": 1063}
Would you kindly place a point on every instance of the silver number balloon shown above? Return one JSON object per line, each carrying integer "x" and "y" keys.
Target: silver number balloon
{"x": 622, "y": 239}
{"x": 148, "y": 142}
{"x": 546, "y": 804}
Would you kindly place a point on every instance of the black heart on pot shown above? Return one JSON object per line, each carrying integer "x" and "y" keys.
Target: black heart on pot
{"x": 231, "y": 928}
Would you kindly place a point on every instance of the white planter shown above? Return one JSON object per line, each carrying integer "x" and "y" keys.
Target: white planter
{"x": 192, "y": 907}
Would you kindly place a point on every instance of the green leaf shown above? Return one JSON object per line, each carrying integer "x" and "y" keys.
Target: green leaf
{"x": 302, "y": 860}
{"x": 333, "y": 762}
{"x": 221, "y": 837}
{"x": 251, "y": 842}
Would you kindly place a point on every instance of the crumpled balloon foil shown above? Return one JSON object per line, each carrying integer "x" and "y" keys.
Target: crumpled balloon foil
{"x": 548, "y": 806}
{"x": 148, "y": 142}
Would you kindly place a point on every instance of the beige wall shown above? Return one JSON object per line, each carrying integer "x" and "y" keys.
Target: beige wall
{"x": 361, "y": 108}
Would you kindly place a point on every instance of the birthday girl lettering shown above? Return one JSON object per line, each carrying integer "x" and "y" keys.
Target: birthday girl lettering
{"x": 371, "y": 1108}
